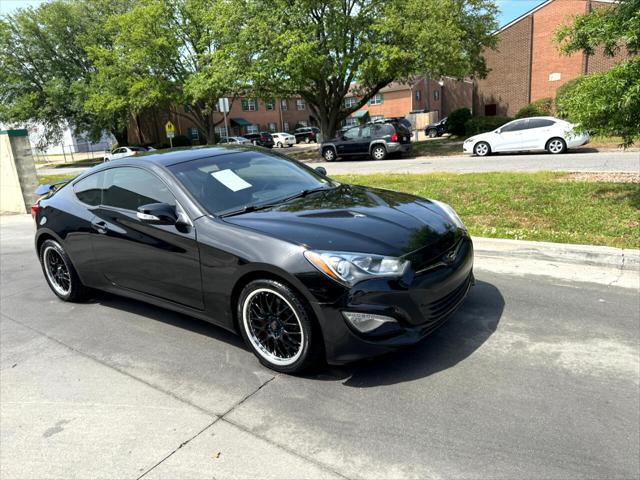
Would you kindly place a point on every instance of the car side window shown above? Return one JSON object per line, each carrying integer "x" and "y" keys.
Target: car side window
{"x": 540, "y": 122}
{"x": 130, "y": 188}
{"x": 352, "y": 133}
{"x": 515, "y": 126}
{"x": 89, "y": 189}
{"x": 365, "y": 131}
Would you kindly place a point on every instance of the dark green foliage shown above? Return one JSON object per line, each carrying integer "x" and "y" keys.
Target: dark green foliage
{"x": 484, "y": 124}
{"x": 539, "y": 108}
{"x": 456, "y": 121}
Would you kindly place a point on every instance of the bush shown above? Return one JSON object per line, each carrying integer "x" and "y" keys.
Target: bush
{"x": 456, "y": 121}
{"x": 477, "y": 125}
{"x": 539, "y": 108}
{"x": 181, "y": 141}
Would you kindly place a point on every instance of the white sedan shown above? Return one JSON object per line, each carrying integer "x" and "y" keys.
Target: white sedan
{"x": 237, "y": 140}
{"x": 280, "y": 139}
{"x": 123, "y": 152}
{"x": 527, "y": 134}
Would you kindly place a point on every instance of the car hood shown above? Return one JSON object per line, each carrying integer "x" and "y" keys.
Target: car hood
{"x": 354, "y": 219}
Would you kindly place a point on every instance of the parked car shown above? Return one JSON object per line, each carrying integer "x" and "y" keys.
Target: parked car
{"x": 282, "y": 139}
{"x": 375, "y": 140}
{"x": 527, "y": 134}
{"x": 260, "y": 245}
{"x": 401, "y": 120}
{"x": 435, "y": 129}
{"x": 236, "y": 140}
{"x": 123, "y": 152}
{"x": 262, "y": 139}
{"x": 306, "y": 134}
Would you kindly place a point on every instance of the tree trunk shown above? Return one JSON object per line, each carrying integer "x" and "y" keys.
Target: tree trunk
{"x": 121, "y": 136}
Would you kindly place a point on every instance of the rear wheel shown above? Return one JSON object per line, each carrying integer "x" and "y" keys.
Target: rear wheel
{"x": 61, "y": 277}
{"x": 329, "y": 154}
{"x": 482, "y": 149}
{"x": 556, "y": 145}
{"x": 432, "y": 133}
{"x": 279, "y": 145}
{"x": 378, "y": 152}
{"x": 278, "y": 327}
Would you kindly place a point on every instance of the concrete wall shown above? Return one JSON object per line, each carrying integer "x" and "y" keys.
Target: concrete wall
{"x": 18, "y": 179}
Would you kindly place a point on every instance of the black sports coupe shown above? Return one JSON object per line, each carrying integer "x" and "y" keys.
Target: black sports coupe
{"x": 306, "y": 269}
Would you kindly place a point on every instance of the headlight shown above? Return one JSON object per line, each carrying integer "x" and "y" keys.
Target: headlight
{"x": 351, "y": 268}
{"x": 451, "y": 213}
{"x": 469, "y": 140}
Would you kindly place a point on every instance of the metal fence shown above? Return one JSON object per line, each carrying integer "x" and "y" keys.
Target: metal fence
{"x": 73, "y": 153}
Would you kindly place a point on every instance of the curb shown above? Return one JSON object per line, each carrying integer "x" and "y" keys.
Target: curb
{"x": 618, "y": 258}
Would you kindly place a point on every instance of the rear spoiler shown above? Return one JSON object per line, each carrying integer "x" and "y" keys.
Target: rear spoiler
{"x": 48, "y": 187}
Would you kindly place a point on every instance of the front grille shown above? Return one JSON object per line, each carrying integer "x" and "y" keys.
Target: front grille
{"x": 426, "y": 257}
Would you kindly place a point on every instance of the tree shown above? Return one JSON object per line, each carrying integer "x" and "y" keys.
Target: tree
{"x": 605, "y": 103}
{"x": 325, "y": 51}
{"x": 45, "y": 66}
{"x": 167, "y": 55}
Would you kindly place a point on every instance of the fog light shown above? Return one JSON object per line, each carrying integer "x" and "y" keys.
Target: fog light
{"x": 367, "y": 322}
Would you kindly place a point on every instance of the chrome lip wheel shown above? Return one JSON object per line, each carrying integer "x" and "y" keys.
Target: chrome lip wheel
{"x": 57, "y": 271}
{"x": 482, "y": 149}
{"x": 273, "y": 327}
{"x": 555, "y": 146}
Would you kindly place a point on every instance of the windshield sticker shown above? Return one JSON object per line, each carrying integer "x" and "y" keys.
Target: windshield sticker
{"x": 230, "y": 180}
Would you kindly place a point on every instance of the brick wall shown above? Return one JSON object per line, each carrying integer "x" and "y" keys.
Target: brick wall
{"x": 456, "y": 94}
{"x": 507, "y": 84}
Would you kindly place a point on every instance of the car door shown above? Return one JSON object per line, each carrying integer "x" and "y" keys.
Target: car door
{"x": 536, "y": 134}
{"x": 509, "y": 137}
{"x": 364, "y": 140}
{"x": 158, "y": 260}
{"x": 349, "y": 142}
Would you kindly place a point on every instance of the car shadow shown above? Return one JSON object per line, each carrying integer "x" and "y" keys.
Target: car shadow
{"x": 471, "y": 326}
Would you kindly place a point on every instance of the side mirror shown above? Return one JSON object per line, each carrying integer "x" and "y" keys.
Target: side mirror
{"x": 158, "y": 214}
{"x": 498, "y": 131}
{"x": 321, "y": 170}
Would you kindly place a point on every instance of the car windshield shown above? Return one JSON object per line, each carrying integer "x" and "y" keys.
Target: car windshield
{"x": 242, "y": 180}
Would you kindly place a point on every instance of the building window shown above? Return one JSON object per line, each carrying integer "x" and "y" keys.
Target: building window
{"x": 303, "y": 123}
{"x": 436, "y": 94}
{"x": 377, "y": 99}
{"x": 221, "y": 131}
{"x": 351, "y": 121}
{"x": 300, "y": 105}
{"x": 284, "y": 104}
{"x": 249, "y": 105}
{"x": 418, "y": 95}
{"x": 285, "y": 126}
{"x": 216, "y": 107}
{"x": 193, "y": 133}
{"x": 270, "y": 104}
{"x": 253, "y": 128}
{"x": 350, "y": 102}
{"x": 272, "y": 126}
{"x": 490, "y": 110}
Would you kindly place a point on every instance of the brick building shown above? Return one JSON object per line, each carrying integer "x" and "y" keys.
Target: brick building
{"x": 527, "y": 64}
{"x": 249, "y": 115}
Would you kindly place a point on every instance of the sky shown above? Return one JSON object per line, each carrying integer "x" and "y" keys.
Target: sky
{"x": 509, "y": 9}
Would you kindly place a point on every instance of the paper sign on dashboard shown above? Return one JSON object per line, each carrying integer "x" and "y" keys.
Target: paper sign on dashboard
{"x": 230, "y": 180}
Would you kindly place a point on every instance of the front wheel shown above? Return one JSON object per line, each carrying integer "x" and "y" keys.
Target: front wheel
{"x": 329, "y": 154}
{"x": 60, "y": 274}
{"x": 482, "y": 149}
{"x": 556, "y": 145}
{"x": 378, "y": 152}
{"x": 279, "y": 145}
{"x": 278, "y": 327}
{"x": 432, "y": 133}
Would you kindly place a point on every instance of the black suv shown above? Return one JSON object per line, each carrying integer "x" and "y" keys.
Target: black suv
{"x": 435, "y": 129}
{"x": 306, "y": 134}
{"x": 262, "y": 139}
{"x": 375, "y": 140}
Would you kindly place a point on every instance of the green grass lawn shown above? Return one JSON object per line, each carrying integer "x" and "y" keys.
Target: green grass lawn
{"x": 439, "y": 147}
{"x": 523, "y": 206}
{"x": 54, "y": 178}
{"x": 529, "y": 206}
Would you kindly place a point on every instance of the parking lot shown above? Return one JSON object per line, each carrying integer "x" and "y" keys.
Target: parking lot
{"x": 533, "y": 377}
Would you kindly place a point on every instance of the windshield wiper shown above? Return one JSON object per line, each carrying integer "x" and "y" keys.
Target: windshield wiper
{"x": 247, "y": 209}
{"x": 253, "y": 208}
{"x": 304, "y": 193}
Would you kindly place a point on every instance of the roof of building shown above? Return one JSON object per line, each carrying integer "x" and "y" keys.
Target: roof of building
{"x": 535, "y": 9}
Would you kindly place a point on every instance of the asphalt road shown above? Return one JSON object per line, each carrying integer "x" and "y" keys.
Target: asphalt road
{"x": 534, "y": 377}
{"x": 531, "y": 162}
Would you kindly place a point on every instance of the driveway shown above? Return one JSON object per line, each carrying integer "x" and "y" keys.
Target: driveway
{"x": 534, "y": 377}
{"x": 533, "y": 162}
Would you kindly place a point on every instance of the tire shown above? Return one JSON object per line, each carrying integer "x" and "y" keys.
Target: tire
{"x": 432, "y": 133}
{"x": 482, "y": 149}
{"x": 279, "y": 145}
{"x": 329, "y": 154}
{"x": 378, "y": 152}
{"x": 556, "y": 145}
{"x": 306, "y": 140}
{"x": 278, "y": 327}
{"x": 61, "y": 276}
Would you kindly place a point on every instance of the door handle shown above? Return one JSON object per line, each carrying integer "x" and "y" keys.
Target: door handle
{"x": 100, "y": 227}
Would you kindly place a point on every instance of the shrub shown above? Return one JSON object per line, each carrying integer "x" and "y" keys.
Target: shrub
{"x": 181, "y": 141}
{"x": 539, "y": 108}
{"x": 477, "y": 125}
{"x": 457, "y": 120}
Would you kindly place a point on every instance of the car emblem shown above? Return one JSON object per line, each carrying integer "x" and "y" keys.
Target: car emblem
{"x": 450, "y": 257}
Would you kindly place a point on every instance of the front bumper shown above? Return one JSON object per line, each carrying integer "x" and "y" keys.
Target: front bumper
{"x": 467, "y": 147}
{"x": 420, "y": 306}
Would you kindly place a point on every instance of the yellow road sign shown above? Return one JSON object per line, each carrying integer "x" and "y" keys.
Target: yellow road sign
{"x": 169, "y": 127}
